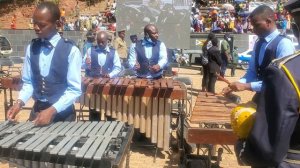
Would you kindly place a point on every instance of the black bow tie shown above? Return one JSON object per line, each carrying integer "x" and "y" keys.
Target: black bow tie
{"x": 46, "y": 44}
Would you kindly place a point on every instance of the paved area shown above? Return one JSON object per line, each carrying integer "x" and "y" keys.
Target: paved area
{"x": 143, "y": 156}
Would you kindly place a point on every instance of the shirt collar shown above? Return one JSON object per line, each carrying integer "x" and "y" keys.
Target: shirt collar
{"x": 272, "y": 35}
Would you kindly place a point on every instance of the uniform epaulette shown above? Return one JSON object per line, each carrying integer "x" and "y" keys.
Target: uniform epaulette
{"x": 281, "y": 61}
{"x": 66, "y": 40}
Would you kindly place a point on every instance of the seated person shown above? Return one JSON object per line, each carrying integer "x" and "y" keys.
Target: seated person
{"x": 101, "y": 60}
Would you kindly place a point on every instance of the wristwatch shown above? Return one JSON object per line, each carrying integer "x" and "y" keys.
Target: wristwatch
{"x": 20, "y": 103}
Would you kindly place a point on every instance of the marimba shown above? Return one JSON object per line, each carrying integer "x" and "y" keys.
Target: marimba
{"x": 61, "y": 144}
{"x": 210, "y": 120}
{"x": 210, "y": 124}
{"x": 144, "y": 103}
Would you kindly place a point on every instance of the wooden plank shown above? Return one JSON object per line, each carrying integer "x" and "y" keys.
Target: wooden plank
{"x": 110, "y": 128}
{"x": 80, "y": 130}
{"x": 28, "y": 142}
{"x": 59, "y": 128}
{"x": 211, "y": 108}
{"x": 90, "y": 153}
{"x": 74, "y": 128}
{"x": 212, "y": 114}
{"x": 36, "y": 142}
{"x": 96, "y": 129}
{"x": 117, "y": 130}
{"x": 68, "y": 146}
{"x": 102, "y": 148}
{"x": 211, "y": 136}
{"x": 89, "y": 129}
{"x": 45, "y": 143}
{"x": 14, "y": 140}
{"x": 67, "y": 128}
{"x": 85, "y": 147}
{"x": 7, "y": 138}
{"x": 103, "y": 128}
{"x": 53, "y": 127}
{"x": 60, "y": 145}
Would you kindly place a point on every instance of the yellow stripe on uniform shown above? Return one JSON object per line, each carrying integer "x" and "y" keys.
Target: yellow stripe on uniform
{"x": 288, "y": 73}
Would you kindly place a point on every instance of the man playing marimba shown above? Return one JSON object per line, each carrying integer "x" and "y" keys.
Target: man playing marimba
{"x": 274, "y": 138}
{"x": 101, "y": 60}
{"x": 149, "y": 55}
{"x": 51, "y": 72}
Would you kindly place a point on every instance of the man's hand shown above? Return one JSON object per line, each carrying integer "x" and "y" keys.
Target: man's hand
{"x": 137, "y": 66}
{"x": 45, "y": 117}
{"x": 13, "y": 111}
{"x": 154, "y": 68}
{"x": 237, "y": 86}
{"x": 226, "y": 90}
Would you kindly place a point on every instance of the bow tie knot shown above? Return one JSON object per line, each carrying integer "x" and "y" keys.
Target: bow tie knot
{"x": 46, "y": 44}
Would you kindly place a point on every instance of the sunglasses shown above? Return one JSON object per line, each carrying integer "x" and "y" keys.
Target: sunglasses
{"x": 295, "y": 29}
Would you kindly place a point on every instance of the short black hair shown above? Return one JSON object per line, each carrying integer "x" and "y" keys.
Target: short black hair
{"x": 211, "y": 35}
{"x": 264, "y": 12}
{"x": 52, "y": 7}
{"x": 215, "y": 42}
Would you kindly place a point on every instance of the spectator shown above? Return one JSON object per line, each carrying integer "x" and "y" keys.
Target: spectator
{"x": 214, "y": 63}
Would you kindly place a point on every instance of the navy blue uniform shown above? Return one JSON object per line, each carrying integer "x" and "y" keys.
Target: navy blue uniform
{"x": 274, "y": 140}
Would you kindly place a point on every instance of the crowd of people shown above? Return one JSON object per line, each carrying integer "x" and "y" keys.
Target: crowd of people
{"x": 231, "y": 18}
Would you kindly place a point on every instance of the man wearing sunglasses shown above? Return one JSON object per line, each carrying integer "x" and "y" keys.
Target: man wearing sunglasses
{"x": 274, "y": 140}
{"x": 270, "y": 45}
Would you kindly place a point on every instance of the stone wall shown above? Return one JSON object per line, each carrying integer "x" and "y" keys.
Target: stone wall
{"x": 19, "y": 39}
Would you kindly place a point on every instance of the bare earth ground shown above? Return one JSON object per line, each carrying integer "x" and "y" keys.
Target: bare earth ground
{"x": 143, "y": 157}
